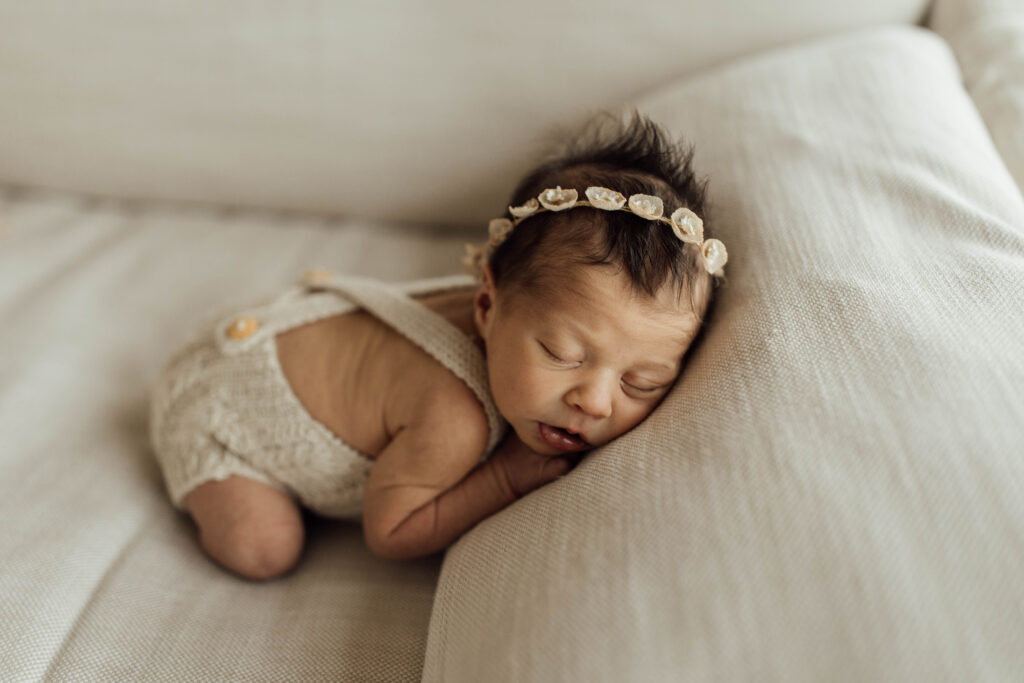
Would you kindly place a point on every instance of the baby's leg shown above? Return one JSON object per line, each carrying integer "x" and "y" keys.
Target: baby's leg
{"x": 247, "y": 526}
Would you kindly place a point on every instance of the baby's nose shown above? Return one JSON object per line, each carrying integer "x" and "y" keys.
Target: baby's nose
{"x": 593, "y": 398}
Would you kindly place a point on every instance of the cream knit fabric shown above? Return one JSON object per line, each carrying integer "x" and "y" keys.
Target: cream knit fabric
{"x": 223, "y": 406}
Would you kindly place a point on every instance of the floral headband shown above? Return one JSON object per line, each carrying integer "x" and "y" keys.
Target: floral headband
{"x": 686, "y": 225}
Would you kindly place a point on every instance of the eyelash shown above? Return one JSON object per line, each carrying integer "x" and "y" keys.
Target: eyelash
{"x": 569, "y": 362}
{"x": 553, "y": 356}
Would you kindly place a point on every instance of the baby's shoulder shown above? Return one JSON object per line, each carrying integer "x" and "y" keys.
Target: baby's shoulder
{"x": 445, "y": 400}
{"x": 442, "y": 440}
{"x": 447, "y": 406}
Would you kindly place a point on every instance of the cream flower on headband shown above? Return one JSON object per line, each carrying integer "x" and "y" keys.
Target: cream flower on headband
{"x": 685, "y": 224}
{"x": 646, "y": 206}
{"x": 558, "y": 199}
{"x": 498, "y": 230}
{"x": 525, "y": 210}
{"x": 714, "y": 255}
{"x": 603, "y": 198}
{"x": 474, "y": 259}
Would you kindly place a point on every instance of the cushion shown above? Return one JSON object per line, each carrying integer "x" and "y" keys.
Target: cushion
{"x": 833, "y": 489}
{"x": 987, "y": 37}
{"x": 410, "y": 111}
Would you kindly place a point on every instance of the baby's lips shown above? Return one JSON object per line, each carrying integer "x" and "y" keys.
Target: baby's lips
{"x": 556, "y": 438}
{"x": 580, "y": 434}
{"x": 585, "y": 440}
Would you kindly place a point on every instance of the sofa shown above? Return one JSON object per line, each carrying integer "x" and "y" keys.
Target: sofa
{"x": 834, "y": 489}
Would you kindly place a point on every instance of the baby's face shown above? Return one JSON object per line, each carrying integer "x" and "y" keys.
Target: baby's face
{"x": 590, "y": 359}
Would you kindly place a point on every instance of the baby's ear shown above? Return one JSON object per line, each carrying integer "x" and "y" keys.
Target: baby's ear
{"x": 483, "y": 302}
{"x": 487, "y": 278}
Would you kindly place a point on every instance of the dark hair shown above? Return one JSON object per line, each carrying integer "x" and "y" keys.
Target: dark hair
{"x": 638, "y": 157}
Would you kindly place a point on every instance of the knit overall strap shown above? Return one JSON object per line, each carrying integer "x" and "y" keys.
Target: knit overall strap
{"x": 428, "y": 330}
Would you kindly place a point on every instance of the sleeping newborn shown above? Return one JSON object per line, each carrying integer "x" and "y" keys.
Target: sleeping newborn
{"x": 423, "y": 407}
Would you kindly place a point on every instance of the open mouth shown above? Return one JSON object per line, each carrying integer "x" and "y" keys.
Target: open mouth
{"x": 560, "y": 438}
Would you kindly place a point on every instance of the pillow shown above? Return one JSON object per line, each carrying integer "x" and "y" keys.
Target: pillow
{"x": 833, "y": 489}
{"x": 987, "y": 37}
{"x": 410, "y": 111}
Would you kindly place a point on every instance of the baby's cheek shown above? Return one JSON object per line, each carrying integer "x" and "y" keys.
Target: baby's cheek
{"x": 635, "y": 414}
{"x": 511, "y": 389}
{"x": 526, "y": 386}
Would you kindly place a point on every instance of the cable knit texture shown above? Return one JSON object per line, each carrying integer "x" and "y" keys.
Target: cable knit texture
{"x": 223, "y": 405}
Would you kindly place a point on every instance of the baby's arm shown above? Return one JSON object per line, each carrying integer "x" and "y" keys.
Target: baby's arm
{"x": 426, "y": 488}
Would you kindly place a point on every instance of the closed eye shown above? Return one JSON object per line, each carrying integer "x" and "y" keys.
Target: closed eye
{"x": 643, "y": 390}
{"x": 554, "y": 356}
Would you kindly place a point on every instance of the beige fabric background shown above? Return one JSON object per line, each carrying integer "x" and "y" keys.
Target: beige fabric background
{"x": 100, "y": 579}
{"x": 987, "y": 37}
{"x": 833, "y": 492}
{"x": 312, "y": 104}
{"x": 834, "y": 489}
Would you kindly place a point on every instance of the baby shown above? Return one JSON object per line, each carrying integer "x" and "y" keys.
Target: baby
{"x": 389, "y": 403}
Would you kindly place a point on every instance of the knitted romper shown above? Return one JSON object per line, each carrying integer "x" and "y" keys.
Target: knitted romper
{"x": 223, "y": 406}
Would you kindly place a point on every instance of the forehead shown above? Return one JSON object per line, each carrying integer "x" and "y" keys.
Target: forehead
{"x": 597, "y": 302}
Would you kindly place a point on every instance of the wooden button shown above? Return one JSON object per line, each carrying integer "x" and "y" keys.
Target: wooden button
{"x": 240, "y": 328}
{"x": 318, "y": 275}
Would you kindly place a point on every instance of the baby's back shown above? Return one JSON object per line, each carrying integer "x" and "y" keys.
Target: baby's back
{"x": 364, "y": 380}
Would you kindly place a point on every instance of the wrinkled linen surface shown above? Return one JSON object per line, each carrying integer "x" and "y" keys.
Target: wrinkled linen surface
{"x": 101, "y": 579}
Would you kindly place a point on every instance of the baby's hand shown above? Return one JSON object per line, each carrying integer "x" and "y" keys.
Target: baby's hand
{"x": 524, "y": 469}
